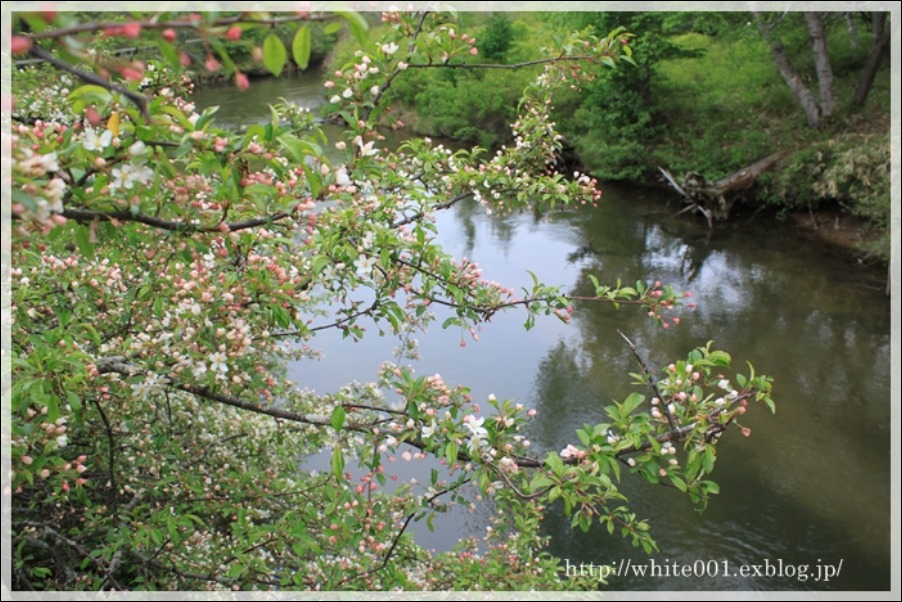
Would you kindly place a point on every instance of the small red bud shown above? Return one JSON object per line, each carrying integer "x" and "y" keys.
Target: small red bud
{"x": 131, "y": 30}
{"x": 20, "y": 44}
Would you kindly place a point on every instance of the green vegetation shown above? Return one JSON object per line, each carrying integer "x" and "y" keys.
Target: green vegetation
{"x": 167, "y": 272}
{"x": 704, "y": 95}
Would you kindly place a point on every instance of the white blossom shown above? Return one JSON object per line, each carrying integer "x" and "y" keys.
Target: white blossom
{"x": 218, "y": 363}
{"x": 95, "y": 141}
{"x": 341, "y": 177}
{"x": 364, "y": 265}
{"x": 137, "y": 149}
{"x": 129, "y": 174}
{"x": 429, "y": 431}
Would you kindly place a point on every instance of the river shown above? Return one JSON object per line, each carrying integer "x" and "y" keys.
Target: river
{"x": 810, "y": 487}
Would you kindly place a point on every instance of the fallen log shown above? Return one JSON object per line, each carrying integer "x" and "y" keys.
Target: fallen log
{"x": 711, "y": 198}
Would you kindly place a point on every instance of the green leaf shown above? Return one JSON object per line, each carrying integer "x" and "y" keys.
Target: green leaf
{"x": 300, "y": 47}
{"x": 720, "y": 358}
{"x": 274, "y": 54}
{"x": 451, "y": 451}
{"x": 83, "y": 240}
{"x": 338, "y": 418}
{"x": 332, "y": 27}
{"x": 74, "y": 400}
{"x": 337, "y": 462}
{"x": 319, "y": 264}
{"x": 708, "y": 459}
{"x": 170, "y": 54}
{"x": 630, "y": 404}
{"x": 223, "y": 54}
{"x": 356, "y": 23}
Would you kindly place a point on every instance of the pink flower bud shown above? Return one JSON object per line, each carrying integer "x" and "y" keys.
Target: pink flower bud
{"x": 20, "y": 44}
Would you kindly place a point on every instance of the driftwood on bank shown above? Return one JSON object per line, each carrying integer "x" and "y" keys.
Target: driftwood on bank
{"x": 714, "y": 199}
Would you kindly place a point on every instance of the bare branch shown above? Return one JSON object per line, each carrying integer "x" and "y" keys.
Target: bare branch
{"x": 112, "y": 451}
{"x": 437, "y": 207}
{"x": 651, "y": 381}
{"x": 410, "y": 517}
{"x": 172, "y": 24}
{"x": 556, "y": 59}
{"x": 87, "y": 215}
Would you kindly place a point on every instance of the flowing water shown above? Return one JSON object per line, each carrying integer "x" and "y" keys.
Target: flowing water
{"x": 810, "y": 487}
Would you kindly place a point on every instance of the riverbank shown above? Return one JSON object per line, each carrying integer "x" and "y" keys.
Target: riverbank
{"x": 704, "y": 96}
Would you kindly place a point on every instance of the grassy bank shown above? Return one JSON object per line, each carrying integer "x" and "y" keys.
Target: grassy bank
{"x": 705, "y": 96}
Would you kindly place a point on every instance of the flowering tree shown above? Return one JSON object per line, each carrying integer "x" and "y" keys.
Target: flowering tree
{"x": 165, "y": 271}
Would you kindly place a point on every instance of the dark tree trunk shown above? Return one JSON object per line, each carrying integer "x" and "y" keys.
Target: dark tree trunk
{"x": 714, "y": 199}
{"x": 795, "y": 83}
{"x": 879, "y": 44}
{"x": 822, "y": 63}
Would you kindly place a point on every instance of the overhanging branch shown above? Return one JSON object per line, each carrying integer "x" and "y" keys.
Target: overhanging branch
{"x": 89, "y": 215}
{"x": 138, "y": 99}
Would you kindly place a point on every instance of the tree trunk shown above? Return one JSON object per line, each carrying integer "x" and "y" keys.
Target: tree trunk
{"x": 794, "y": 81}
{"x": 853, "y": 29}
{"x": 712, "y": 199}
{"x": 879, "y": 44}
{"x": 822, "y": 63}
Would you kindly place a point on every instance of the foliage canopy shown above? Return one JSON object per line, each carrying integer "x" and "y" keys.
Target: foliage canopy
{"x": 165, "y": 271}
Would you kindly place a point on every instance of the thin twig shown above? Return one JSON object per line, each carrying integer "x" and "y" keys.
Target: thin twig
{"x": 556, "y": 59}
{"x": 335, "y": 324}
{"x": 437, "y": 207}
{"x": 112, "y": 453}
{"x": 410, "y": 517}
{"x": 651, "y": 382}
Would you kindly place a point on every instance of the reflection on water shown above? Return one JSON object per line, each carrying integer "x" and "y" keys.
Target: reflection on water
{"x": 811, "y": 486}
{"x": 237, "y": 108}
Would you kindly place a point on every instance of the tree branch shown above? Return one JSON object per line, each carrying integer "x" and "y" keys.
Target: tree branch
{"x": 437, "y": 207}
{"x": 112, "y": 454}
{"x": 118, "y": 365}
{"x": 87, "y": 215}
{"x": 651, "y": 381}
{"x": 139, "y": 100}
{"x": 172, "y": 24}
{"x": 335, "y": 324}
{"x": 556, "y": 59}
{"x": 410, "y": 517}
